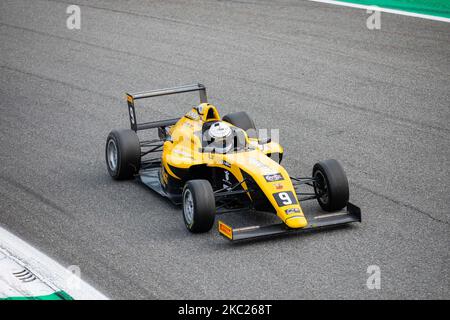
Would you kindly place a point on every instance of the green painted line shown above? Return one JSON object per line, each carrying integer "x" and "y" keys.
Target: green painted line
{"x": 59, "y": 295}
{"x": 437, "y": 8}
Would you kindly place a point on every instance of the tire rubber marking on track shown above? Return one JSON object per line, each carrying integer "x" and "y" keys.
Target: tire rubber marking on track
{"x": 374, "y": 6}
{"x": 47, "y": 270}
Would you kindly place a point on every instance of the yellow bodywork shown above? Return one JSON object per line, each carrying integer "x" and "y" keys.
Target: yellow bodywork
{"x": 185, "y": 150}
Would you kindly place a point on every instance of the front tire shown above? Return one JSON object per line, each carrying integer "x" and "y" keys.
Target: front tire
{"x": 123, "y": 154}
{"x": 331, "y": 185}
{"x": 242, "y": 120}
{"x": 199, "y": 206}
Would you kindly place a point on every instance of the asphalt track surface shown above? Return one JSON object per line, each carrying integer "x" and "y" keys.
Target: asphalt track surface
{"x": 378, "y": 101}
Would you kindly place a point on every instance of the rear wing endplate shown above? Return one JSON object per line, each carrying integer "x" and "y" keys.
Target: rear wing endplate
{"x": 131, "y": 97}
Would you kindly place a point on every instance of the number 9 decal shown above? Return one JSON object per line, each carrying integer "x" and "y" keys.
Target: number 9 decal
{"x": 285, "y": 198}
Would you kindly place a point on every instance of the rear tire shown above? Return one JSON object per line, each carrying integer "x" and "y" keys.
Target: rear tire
{"x": 242, "y": 120}
{"x": 331, "y": 187}
{"x": 123, "y": 154}
{"x": 199, "y": 206}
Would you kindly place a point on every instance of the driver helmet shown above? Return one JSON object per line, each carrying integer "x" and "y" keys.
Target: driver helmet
{"x": 220, "y": 135}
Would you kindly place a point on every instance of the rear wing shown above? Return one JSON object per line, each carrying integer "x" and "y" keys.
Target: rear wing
{"x": 131, "y": 97}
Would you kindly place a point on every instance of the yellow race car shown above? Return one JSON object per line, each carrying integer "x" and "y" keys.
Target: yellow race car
{"x": 212, "y": 165}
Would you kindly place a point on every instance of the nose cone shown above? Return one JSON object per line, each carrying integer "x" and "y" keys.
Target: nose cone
{"x": 296, "y": 222}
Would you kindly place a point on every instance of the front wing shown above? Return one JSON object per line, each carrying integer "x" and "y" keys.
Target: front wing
{"x": 351, "y": 214}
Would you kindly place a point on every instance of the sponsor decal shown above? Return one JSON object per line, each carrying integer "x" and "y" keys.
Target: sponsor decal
{"x": 260, "y": 165}
{"x": 273, "y": 177}
{"x": 192, "y": 115}
{"x": 225, "y": 230}
{"x": 278, "y": 186}
{"x": 292, "y": 210}
{"x": 226, "y": 164}
{"x": 226, "y": 181}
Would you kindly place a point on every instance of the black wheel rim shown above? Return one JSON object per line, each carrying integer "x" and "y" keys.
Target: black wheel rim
{"x": 188, "y": 207}
{"x": 321, "y": 187}
{"x": 112, "y": 155}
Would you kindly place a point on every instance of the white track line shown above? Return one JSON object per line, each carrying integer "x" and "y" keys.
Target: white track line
{"x": 47, "y": 269}
{"x": 377, "y": 8}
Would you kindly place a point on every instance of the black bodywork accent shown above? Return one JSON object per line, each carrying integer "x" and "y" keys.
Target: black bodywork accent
{"x": 259, "y": 199}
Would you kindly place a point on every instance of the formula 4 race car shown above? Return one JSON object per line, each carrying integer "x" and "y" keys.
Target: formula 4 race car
{"x": 212, "y": 165}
